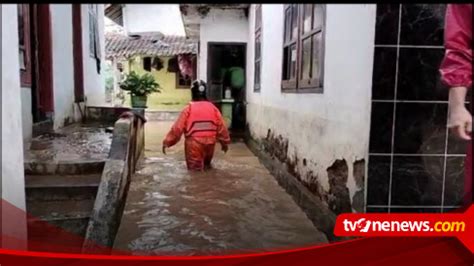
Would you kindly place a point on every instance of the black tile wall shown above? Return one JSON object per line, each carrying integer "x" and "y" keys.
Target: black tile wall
{"x": 417, "y": 180}
{"x": 424, "y": 170}
{"x": 455, "y": 145}
{"x": 383, "y": 79}
{"x": 379, "y": 178}
{"x": 422, "y": 24}
{"x": 418, "y": 75}
{"x": 379, "y": 210}
{"x": 386, "y": 29}
{"x": 454, "y": 182}
{"x": 381, "y": 126}
{"x": 420, "y": 128}
{"x": 453, "y": 210}
{"x": 415, "y": 210}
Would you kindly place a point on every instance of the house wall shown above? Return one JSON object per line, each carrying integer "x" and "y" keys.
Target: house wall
{"x": 165, "y": 18}
{"x": 220, "y": 26}
{"x": 320, "y": 130}
{"x": 170, "y": 97}
{"x": 65, "y": 110}
{"x": 63, "y": 64}
{"x": 94, "y": 83}
{"x": 13, "y": 186}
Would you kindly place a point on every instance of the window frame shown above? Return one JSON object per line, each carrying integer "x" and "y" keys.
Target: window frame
{"x": 258, "y": 36}
{"x": 298, "y": 84}
{"x": 289, "y": 84}
{"x": 26, "y": 73}
{"x": 182, "y": 86}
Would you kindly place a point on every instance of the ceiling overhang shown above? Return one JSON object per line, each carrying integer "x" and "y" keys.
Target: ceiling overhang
{"x": 193, "y": 13}
{"x": 115, "y": 13}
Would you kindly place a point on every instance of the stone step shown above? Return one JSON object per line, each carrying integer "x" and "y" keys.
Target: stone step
{"x": 41, "y": 230}
{"x": 83, "y": 167}
{"x": 66, "y": 187}
{"x": 59, "y": 210}
{"x": 45, "y": 217}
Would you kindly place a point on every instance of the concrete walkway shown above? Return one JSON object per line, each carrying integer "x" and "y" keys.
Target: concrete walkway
{"x": 235, "y": 207}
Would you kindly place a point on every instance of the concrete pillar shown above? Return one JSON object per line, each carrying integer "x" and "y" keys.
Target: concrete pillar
{"x": 13, "y": 216}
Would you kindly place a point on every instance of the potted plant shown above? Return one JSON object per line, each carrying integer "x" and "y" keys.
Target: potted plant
{"x": 139, "y": 87}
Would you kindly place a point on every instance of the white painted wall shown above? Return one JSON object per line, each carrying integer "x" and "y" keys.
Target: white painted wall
{"x": 220, "y": 26}
{"x": 63, "y": 63}
{"x": 63, "y": 69}
{"x": 165, "y": 18}
{"x": 320, "y": 127}
{"x": 94, "y": 83}
{"x": 13, "y": 186}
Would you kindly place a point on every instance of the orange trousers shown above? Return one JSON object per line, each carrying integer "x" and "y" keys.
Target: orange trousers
{"x": 198, "y": 155}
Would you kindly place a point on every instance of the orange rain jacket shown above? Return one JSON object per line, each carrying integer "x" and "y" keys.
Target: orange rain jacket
{"x": 202, "y": 124}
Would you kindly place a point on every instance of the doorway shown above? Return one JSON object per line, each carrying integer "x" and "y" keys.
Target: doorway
{"x": 37, "y": 70}
{"x": 226, "y": 81}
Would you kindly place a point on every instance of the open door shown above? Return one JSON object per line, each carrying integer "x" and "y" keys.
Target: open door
{"x": 226, "y": 82}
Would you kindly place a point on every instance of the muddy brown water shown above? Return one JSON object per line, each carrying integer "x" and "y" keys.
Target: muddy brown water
{"x": 237, "y": 207}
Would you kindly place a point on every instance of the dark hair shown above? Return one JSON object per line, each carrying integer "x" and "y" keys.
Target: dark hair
{"x": 199, "y": 90}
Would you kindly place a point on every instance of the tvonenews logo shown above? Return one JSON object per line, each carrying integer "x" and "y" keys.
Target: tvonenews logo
{"x": 460, "y": 225}
{"x": 364, "y": 225}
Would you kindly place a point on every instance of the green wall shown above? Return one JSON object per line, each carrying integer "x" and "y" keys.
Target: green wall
{"x": 170, "y": 98}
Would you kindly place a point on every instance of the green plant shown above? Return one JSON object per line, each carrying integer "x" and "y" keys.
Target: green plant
{"x": 138, "y": 85}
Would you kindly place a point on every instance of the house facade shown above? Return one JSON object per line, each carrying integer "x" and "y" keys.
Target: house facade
{"x": 155, "y": 54}
{"x": 51, "y": 69}
{"x": 155, "y": 35}
{"x": 321, "y": 132}
{"x": 346, "y": 97}
{"x": 66, "y": 71}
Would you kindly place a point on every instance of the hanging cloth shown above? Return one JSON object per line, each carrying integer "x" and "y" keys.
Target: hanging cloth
{"x": 186, "y": 65}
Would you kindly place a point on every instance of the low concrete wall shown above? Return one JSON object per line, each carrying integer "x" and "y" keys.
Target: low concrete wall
{"x": 162, "y": 115}
{"x": 126, "y": 150}
{"x": 315, "y": 208}
{"x": 104, "y": 114}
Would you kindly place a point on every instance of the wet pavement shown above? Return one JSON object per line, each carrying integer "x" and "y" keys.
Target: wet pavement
{"x": 76, "y": 142}
{"x": 235, "y": 207}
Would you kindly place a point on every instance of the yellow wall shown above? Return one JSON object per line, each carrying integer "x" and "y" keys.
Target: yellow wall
{"x": 170, "y": 97}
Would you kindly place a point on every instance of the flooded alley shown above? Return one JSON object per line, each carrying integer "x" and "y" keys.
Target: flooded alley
{"x": 235, "y": 207}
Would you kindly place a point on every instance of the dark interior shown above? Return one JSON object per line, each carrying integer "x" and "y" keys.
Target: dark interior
{"x": 222, "y": 56}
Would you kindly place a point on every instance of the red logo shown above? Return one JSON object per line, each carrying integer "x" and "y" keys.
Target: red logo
{"x": 460, "y": 225}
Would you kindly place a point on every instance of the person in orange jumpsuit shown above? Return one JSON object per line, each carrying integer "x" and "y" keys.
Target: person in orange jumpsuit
{"x": 456, "y": 72}
{"x": 202, "y": 124}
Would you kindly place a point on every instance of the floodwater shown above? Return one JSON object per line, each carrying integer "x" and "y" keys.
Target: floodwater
{"x": 236, "y": 207}
{"x": 71, "y": 143}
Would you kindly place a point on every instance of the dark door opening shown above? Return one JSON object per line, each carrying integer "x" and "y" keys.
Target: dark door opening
{"x": 226, "y": 81}
{"x": 42, "y": 64}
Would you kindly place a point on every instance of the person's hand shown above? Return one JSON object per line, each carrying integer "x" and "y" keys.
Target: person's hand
{"x": 460, "y": 121}
{"x": 225, "y": 148}
{"x": 163, "y": 149}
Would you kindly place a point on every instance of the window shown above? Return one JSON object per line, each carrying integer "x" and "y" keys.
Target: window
{"x": 92, "y": 29}
{"x": 147, "y": 63}
{"x": 183, "y": 82}
{"x": 24, "y": 44}
{"x": 303, "y": 48}
{"x": 258, "y": 47}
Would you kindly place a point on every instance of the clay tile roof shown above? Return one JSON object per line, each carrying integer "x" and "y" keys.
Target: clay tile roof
{"x": 119, "y": 45}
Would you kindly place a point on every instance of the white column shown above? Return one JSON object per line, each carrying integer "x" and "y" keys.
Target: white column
{"x": 13, "y": 185}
